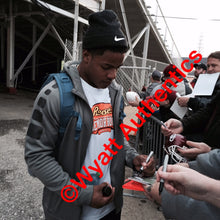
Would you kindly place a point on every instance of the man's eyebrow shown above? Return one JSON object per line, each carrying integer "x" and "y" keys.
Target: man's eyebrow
{"x": 108, "y": 65}
{"x": 112, "y": 66}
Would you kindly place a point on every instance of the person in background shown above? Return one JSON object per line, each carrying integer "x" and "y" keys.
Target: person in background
{"x": 199, "y": 69}
{"x": 155, "y": 80}
{"x": 183, "y": 87}
{"x": 98, "y": 100}
{"x": 213, "y": 66}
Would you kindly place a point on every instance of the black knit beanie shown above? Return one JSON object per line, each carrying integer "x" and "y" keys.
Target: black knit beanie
{"x": 104, "y": 31}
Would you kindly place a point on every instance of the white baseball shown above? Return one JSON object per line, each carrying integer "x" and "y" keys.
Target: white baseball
{"x": 131, "y": 96}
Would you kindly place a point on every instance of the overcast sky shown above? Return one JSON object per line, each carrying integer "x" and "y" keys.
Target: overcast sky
{"x": 198, "y": 32}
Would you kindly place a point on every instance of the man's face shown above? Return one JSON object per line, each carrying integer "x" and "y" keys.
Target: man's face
{"x": 213, "y": 65}
{"x": 100, "y": 70}
{"x": 199, "y": 71}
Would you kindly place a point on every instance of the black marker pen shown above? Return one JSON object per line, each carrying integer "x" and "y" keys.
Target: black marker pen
{"x": 165, "y": 162}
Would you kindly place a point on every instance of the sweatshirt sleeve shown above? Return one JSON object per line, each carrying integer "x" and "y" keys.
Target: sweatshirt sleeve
{"x": 40, "y": 145}
{"x": 208, "y": 164}
{"x": 182, "y": 207}
{"x": 130, "y": 154}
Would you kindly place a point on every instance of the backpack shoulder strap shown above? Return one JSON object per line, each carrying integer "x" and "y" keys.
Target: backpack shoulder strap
{"x": 67, "y": 101}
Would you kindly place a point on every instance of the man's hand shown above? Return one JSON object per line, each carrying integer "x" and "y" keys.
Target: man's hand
{"x": 182, "y": 180}
{"x": 152, "y": 192}
{"x": 98, "y": 200}
{"x": 183, "y": 101}
{"x": 149, "y": 168}
{"x": 197, "y": 148}
{"x": 173, "y": 126}
{"x": 135, "y": 103}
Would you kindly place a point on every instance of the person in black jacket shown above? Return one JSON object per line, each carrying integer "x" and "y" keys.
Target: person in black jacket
{"x": 213, "y": 66}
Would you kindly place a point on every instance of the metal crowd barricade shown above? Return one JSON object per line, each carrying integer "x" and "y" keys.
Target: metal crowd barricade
{"x": 149, "y": 138}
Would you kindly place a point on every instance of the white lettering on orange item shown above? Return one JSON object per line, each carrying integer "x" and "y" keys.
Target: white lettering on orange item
{"x": 102, "y": 118}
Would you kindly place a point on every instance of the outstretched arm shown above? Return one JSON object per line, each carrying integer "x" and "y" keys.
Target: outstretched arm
{"x": 182, "y": 180}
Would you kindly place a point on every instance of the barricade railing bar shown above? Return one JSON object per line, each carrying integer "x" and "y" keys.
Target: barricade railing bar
{"x": 149, "y": 138}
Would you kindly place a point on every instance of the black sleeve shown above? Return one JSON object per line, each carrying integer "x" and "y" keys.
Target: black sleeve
{"x": 198, "y": 102}
{"x": 199, "y": 120}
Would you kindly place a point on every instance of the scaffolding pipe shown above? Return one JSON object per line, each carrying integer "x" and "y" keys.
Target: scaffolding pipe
{"x": 61, "y": 42}
{"x": 31, "y": 52}
{"x": 75, "y": 30}
{"x": 145, "y": 50}
{"x": 10, "y": 48}
{"x": 34, "y": 33}
{"x": 129, "y": 37}
{"x": 2, "y": 47}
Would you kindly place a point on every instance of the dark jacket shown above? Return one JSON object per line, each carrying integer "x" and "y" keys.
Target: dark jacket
{"x": 149, "y": 89}
{"x": 206, "y": 121}
{"x": 201, "y": 101}
{"x": 56, "y": 165}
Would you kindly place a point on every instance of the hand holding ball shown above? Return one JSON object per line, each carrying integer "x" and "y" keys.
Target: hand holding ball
{"x": 133, "y": 98}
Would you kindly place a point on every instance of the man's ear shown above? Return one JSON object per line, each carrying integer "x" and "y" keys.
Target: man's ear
{"x": 86, "y": 56}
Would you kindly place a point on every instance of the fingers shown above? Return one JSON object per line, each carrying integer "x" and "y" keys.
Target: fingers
{"x": 174, "y": 178}
{"x": 165, "y": 131}
{"x": 137, "y": 99}
{"x": 196, "y": 148}
{"x": 149, "y": 168}
{"x": 168, "y": 123}
{"x": 98, "y": 199}
{"x": 198, "y": 145}
{"x": 134, "y": 104}
{"x": 172, "y": 168}
{"x": 193, "y": 144}
{"x": 160, "y": 173}
{"x": 182, "y": 101}
{"x": 111, "y": 196}
{"x": 168, "y": 176}
{"x": 168, "y": 129}
{"x": 186, "y": 165}
{"x": 189, "y": 153}
{"x": 169, "y": 187}
{"x": 147, "y": 192}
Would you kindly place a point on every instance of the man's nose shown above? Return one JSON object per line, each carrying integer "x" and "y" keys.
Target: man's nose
{"x": 209, "y": 69}
{"x": 112, "y": 73}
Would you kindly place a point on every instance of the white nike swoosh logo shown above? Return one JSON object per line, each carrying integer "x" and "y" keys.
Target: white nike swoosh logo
{"x": 118, "y": 39}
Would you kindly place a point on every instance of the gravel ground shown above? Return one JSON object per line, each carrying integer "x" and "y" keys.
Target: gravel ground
{"x": 20, "y": 193}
